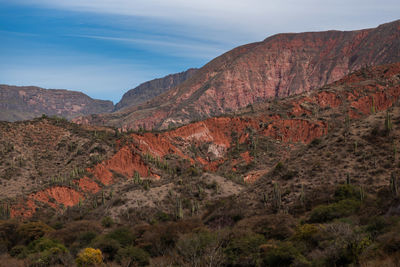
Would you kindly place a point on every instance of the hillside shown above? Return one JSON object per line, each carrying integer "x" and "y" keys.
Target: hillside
{"x": 230, "y": 146}
{"x": 153, "y": 88}
{"x": 308, "y": 180}
{"x": 27, "y": 102}
{"x": 279, "y": 66}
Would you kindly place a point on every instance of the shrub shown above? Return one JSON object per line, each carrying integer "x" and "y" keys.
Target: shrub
{"x": 307, "y": 233}
{"x": 46, "y": 252}
{"x": 132, "y": 254}
{"x": 123, "y": 236}
{"x": 107, "y": 222}
{"x": 244, "y": 250}
{"x": 347, "y": 191}
{"x": 89, "y": 257}
{"x": 86, "y": 237}
{"x": 33, "y": 230}
{"x": 74, "y": 231}
{"x": 343, "y": 208}
{"x": 281, "y": 254}
{"x": 202, "y": 248}
{"x": 8, "y": 235}
{"x": 108, "y": 246}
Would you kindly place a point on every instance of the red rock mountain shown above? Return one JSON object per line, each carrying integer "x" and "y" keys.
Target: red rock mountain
{"x": 279, "y": 66}
{"x": 27, "y": 102}
{"x": 153, "y": 88}
{"x": 212, "y": 144}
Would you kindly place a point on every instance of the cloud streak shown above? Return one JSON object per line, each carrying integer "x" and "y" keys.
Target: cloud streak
{"x": 177, "y": 47}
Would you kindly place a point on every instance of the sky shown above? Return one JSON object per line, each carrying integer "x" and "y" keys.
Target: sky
{"x": 106, "y": 47}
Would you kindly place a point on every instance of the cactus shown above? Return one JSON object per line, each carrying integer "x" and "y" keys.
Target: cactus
{"x": 362, "y": 193}
{"x": 136, "y": 178}
{"x": 393, "y": 184}
{"x": 348, "y": 179}
{"x": 265, "y": 198}
{"x": 111, "y": 193}
{"x": 388, "y": 122}
{"x": 103, "y": 201}
{"x": 373, "y": 106}
{"x": 194, "y": 207}
{"x": 179, "y": 209}
{"x": 277, "y": 200}
{"x": 355, "y": 146}
{"x": 302, "y": 195}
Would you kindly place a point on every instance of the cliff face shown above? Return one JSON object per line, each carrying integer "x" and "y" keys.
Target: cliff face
{"x": 27, "y": 102}
{"x": 153, "y": 88}
{"x": 279, "y": 66}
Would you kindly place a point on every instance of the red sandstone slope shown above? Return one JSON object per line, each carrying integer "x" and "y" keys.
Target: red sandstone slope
{"x": 286, "y": 123}
{"x": 279, "y": 66}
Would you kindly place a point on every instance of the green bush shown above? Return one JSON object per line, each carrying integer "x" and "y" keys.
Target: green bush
{"x": 85, "y": 238}
{"x": 107, "y": 222}
{"x": 33, "y": 230}
{"x": 347, "y": 191}
{"x": 108, "y": 246}
{"x": 325, "y": 213}
{"x": 281, "y": 254}
{"x": 123, "y": 235}
{"x": 133, "y": 255}
{"x": 19, "y": 251}
{"x": 244, "y": 250}
{"x": 47, "y": 252}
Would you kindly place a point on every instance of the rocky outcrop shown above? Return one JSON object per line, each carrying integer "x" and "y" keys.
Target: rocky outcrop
{"x": 153, "y": 88}
{"x": 27, "y": 102}
{"x": 279, "y": 66}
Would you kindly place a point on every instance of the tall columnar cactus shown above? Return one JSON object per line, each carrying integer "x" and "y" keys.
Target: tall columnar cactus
{"x": 348, "y": 178}
{"x": 362, "y": 193}
{"x": 179, "y": 209}
{"x": 302, "y": 195}
{"x": 393, "y": 184}
{"x": 103, "y": 201}
{"x": 373, "y": 109}
{"x": 136, "y": 177}
{"x": 388, "y": 122}
{"x": 277, "y": 199}
{"x": 265, "y": 198}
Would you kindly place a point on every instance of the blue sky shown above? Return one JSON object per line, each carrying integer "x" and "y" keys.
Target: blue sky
{"x": 105, "y": 47}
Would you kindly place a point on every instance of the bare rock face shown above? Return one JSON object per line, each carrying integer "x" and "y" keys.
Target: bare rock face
{"x": 27, "y": 102}
{"x": 153, "y": 88}
{"x": 279, "y": 66}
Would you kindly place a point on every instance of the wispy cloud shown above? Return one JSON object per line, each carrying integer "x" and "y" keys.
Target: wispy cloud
{"x": 177, "y": 47}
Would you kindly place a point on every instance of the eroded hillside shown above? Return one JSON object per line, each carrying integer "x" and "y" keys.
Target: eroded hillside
{"x": 237, "y": 148}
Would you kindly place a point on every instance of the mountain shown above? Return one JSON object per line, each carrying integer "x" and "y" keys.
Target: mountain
{"x": 243, "y": 147}
{"x": 279, "y": 66}
{"x": 153, "y": 88}
{"x": 27, "y": 102}
{"x": 306, "y": 180}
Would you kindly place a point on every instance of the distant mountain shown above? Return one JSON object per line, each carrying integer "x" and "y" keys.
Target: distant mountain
{"x": 27, "y": 102}
{"x": 153, "y": 88}
{"x": 279, "y": 66}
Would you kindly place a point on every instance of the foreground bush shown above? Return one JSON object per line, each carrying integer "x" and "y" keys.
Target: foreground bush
{"x": 89, "y": 257}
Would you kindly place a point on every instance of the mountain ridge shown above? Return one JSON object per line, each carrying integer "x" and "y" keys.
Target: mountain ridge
{"x": 281, "y": 65}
